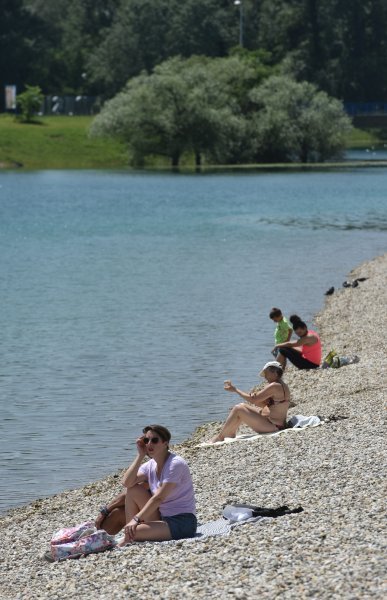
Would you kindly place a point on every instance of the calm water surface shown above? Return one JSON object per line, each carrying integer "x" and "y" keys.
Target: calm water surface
{"x": 128, "y": 298}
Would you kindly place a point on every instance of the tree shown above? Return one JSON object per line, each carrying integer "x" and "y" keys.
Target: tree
{"x": 74, "y": 29}
{"x": 202, "y": 27}
{"x": 164, "y": 113}
{"x": 21, "y": 40}
{"x": 147, "y": 32}
{"x": 136, "y": 41}
{"x": 196, "y": 105}
{"x": 338, "y": 45}
{"x": 95, "y": 46}
{"x": 228, "y": 110}
{"x": 296, "y": 122}
{"x": 359, "y": 64}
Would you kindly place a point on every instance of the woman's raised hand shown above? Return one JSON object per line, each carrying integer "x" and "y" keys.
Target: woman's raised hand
{"x": 141, "y": 447}
{"x": 229, "y": 386}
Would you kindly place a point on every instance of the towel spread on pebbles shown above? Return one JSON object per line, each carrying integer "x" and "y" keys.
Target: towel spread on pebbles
{"x": 296, "y": 423}
{"x": 210, "y": 529}
{"x": 246, "y": 513}
{"x": 219, "y": 527}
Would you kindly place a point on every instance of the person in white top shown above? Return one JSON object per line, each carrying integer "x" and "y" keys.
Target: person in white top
{"x": 159, "y": 502}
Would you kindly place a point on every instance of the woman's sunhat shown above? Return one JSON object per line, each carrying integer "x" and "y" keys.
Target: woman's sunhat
{"x": 271, "y": 363}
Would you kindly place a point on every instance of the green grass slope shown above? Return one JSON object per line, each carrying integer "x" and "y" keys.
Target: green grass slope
{"x": 57, "y": 143}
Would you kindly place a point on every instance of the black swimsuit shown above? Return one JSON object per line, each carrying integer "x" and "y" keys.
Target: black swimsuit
{"x": 272, "y": 402}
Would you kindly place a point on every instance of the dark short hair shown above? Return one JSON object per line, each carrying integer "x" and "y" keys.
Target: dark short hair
{"x": 275, "y": 312}
{"x": 163, "y": 432}
{"x": 297, "y": 322}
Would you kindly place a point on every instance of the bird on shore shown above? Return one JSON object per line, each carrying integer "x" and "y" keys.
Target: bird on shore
{"x": 354, "y": 283}
{"x": 330, "y": 291}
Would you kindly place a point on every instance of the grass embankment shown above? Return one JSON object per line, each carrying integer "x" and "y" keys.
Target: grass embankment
{"x": 362, "y": 138}
{"x": 63, "y": 143}
{"x": 57, "y": 143}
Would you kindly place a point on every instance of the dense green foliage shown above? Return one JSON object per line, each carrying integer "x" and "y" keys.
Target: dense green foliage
{"x": 95, "y": 46}
{"x": 178, "y": 83}
{"x": 295, "y": 122}
{"x": 228, "y": 110}
{"x": 29, "y": 102}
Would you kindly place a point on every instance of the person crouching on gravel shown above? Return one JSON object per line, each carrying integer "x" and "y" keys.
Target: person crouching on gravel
{"x": 304, "y": 353}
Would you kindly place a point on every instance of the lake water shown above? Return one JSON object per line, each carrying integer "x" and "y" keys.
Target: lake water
{"x": 127, "y": 298}
{"x": 372, "y": 153}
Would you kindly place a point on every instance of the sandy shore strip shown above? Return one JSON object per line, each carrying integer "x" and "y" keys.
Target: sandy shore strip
{"x": 334, "y": 549}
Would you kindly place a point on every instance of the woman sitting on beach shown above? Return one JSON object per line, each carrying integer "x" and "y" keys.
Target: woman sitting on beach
{"x": 165, "y": 511}
{"x": 269, "y": 412}
{"x": 304, "y": 353}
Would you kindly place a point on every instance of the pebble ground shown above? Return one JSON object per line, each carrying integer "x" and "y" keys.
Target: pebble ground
{"x": 333, "y": 550}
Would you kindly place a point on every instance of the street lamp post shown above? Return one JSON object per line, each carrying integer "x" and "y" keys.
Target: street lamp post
{"x": 240, "y": 4}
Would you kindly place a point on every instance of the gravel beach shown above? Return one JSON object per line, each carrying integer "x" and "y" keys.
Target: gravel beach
{"x": 333, "y": 549}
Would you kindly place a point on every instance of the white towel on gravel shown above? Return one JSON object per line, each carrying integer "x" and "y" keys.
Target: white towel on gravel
{"x": 297, "y": 422}
{"x": 223, "y": 526}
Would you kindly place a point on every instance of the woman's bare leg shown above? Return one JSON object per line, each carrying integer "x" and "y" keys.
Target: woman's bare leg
{"x": 115, "y": 521}
{"x": 136, "y": 498}
{"x": 154, "y": 529}
{"x": 243, "y": 413}
{"x": 230, "y": 426}
{"x": 157, "y": 531}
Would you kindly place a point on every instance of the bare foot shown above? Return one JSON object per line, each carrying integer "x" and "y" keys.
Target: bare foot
{"x": 216, "y": 438}
{"x": 220, "y": 438}
{"x": 122, "y": 543}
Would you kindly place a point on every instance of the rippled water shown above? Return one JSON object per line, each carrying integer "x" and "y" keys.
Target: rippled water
{"x": 128, "y": 298}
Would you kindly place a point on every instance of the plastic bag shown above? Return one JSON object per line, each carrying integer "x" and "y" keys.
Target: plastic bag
{"x": 234, "y": 513}
{"x": 328, "y": 360}
{"x": 345, "y": 360}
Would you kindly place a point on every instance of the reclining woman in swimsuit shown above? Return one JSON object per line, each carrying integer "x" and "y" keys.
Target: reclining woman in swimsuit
{"x": 270, "y": 405}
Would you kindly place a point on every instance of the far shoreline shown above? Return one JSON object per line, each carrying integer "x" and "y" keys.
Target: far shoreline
{"x": 203, "y": 169}
{"x": 61, "y": 142}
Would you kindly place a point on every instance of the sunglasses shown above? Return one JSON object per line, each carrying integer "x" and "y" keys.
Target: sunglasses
{"x": 154, "y": 440}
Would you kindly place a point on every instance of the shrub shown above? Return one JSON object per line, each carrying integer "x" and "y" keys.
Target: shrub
{"x": 29, "y": 102}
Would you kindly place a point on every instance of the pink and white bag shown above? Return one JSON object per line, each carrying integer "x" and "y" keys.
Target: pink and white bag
{"x": 70, "y": 534}
{"x": 73, "y": 542}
